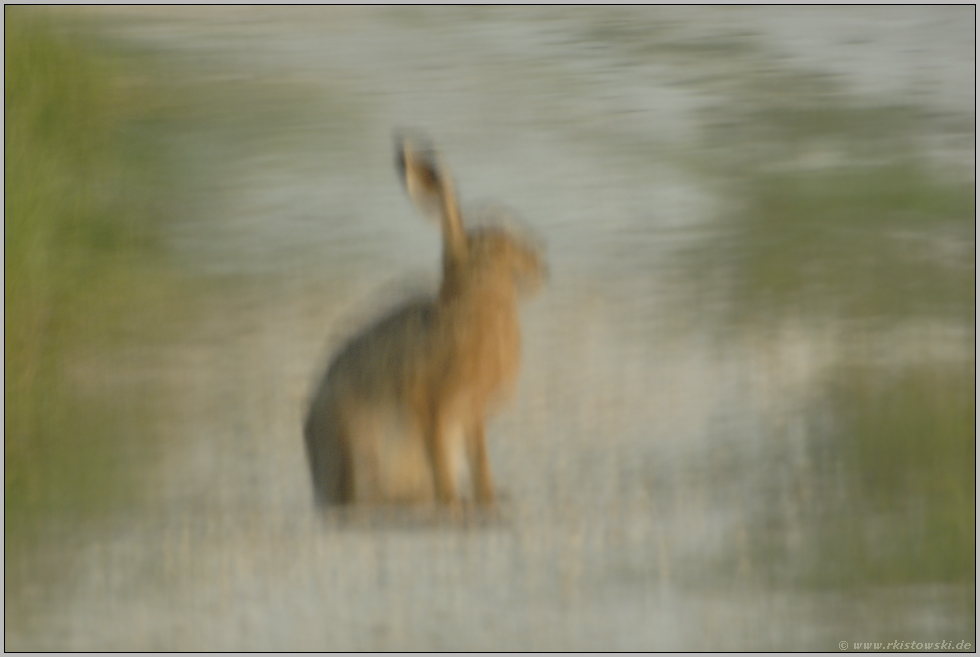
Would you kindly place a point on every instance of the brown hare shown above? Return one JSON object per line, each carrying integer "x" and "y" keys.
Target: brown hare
{"x": 402, "y": 406}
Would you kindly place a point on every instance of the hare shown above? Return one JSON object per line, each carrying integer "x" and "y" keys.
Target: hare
{"x": 402, "y": 405}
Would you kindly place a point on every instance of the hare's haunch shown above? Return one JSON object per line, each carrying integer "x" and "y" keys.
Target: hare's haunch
{"x": 402, "y": 405}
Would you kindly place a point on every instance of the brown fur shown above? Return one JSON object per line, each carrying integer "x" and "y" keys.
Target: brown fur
{"x": 403, "y": 404}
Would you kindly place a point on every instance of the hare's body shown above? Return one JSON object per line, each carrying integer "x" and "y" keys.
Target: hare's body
{"x": 400, "y": 412}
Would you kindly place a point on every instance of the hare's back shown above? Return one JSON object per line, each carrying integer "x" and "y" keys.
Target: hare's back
{"x": 380, "y": 359}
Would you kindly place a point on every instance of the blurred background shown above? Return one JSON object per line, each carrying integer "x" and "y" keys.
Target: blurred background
{"x": 746, "y": 415}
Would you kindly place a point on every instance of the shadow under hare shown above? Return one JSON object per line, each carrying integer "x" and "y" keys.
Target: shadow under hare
{"x": 400, "y": 411}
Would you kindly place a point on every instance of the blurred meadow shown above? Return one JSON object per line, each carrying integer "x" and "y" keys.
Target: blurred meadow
{"x": 746, "y": 418}
{"x": 86, "y": 197}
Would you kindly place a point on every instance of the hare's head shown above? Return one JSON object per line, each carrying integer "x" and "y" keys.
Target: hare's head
{"x": 502, "y": 254}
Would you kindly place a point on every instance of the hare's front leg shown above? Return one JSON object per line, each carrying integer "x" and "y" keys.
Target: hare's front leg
{"x": 441, "y": 455}
{"x": 480, "y": 465}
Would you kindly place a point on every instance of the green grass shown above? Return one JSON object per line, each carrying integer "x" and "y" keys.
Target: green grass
{"x": 106, "y": 147}
{"x": 870, "y": 243}
{"x": 82, "y": 266}
{"x": 906, "y": 445}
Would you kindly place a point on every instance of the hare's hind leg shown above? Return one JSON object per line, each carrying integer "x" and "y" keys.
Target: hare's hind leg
{"x": 328, "y": 452}
{"x": 390, "y": 463}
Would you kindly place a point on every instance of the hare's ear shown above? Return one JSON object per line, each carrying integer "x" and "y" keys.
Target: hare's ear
{"x": 415, "y": 160}
{"x": 431, "y": 189}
